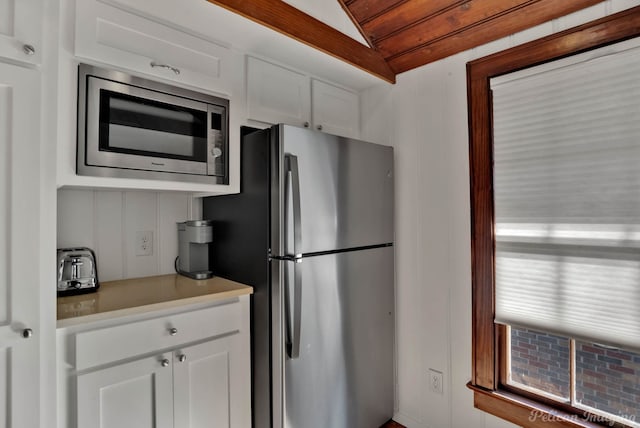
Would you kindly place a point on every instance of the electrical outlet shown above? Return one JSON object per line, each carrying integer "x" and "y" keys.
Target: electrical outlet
{"x": 144, "y": 243}
{"x": 435, "y": 381}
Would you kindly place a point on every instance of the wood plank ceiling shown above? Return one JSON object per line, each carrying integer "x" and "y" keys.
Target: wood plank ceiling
{"x": 405, "y": 34}
{"x": 412, "y": 33}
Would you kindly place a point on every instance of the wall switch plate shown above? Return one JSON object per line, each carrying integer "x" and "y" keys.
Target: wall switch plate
{"x": 435, "y": 381}
{"x": 144, "y": 243}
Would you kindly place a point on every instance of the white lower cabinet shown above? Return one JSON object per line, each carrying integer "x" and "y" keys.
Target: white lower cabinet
{"x": 190, "y": 387}
{"x": 186, "y": 370}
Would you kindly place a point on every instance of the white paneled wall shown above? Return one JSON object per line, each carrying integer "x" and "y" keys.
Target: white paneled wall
{"x": 424, "y": 116}
{"x": 107, "y": 222}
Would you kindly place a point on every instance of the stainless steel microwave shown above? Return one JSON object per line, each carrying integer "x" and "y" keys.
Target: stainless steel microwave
{"x": 131, "y": 127}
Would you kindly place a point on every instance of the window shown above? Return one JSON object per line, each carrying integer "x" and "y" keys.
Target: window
{"x": 602, "y": 383}
{"x": 548, "y": 344}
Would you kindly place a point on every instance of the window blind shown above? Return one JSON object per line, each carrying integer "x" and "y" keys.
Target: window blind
{"x": 567, "y": 196}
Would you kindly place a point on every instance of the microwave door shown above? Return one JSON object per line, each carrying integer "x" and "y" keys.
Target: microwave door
{"x": 134, "y": 128}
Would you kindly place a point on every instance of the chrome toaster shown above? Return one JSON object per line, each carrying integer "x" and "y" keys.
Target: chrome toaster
{"x": 77, "y": 271}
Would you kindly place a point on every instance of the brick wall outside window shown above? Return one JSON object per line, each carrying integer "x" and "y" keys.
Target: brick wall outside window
{"x": 606, "y": 379}
{"x": 540, "y": 361}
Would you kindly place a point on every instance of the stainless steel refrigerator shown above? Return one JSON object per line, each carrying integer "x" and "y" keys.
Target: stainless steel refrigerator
{"x": 312, "y": 232}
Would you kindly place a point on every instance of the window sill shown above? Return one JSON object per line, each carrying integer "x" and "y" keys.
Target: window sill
{"x": 527, "y": 413}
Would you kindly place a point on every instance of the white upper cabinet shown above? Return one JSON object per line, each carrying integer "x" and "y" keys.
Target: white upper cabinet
{"x": 335, "y": 110}
{"x": 276, "y": 94}
{"x": 111, "y": 35}
{"x": 21, "y": 30}
{"x": 20, "y": 239}
{"x": 122, "y": 35}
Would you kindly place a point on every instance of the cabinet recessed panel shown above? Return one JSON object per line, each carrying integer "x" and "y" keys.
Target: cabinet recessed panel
{"x": 335, "y": 110}
{"x": 130, "y": 40}
{"x": 21, "y": 30}
{"x": 209, "y": 391}
{"x": 201, "y": 384}
{"x": 7, "y": 8}
{"x": 131, "y": 395}
{"x": 128, "y": 404}
{"x": 276, "y": 94}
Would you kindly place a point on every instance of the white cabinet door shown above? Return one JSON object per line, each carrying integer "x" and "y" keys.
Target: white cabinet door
{"x": 131, "y": 395}
{"x": 276, "y": 94}
{"x": 114, "y": 36}
{"x": 21, "y": 30}
{"x": 204, "y": 384}
{"x": 335, "y": 110}
{"x": 19, "y": 246}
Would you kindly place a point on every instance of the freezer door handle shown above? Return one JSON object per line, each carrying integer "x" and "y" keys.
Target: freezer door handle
{"x": 293, "y": 305}
{"x": 293, "y": 181}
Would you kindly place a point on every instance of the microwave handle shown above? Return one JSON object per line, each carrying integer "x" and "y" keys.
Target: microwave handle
{"x": 155, "y": 64}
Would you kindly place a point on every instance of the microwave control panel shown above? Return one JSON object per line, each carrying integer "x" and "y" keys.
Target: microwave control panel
{"x": 216, "y": 152}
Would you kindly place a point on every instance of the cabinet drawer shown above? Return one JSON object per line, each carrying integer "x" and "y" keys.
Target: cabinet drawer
{"x": 110, "y": 344}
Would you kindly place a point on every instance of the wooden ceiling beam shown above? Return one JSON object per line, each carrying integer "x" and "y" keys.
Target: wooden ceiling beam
{"x": 287, "y": 20}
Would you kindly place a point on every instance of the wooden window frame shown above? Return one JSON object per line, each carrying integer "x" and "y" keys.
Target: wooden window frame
{"x": 487, "y": 337}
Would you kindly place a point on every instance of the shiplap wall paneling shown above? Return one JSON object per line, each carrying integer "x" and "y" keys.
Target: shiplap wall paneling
{"x": 108, "y": 221}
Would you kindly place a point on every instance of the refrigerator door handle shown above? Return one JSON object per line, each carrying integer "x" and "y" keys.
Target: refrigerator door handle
{"x": 294, "y": 178}
{"x": 293, "y": 314}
